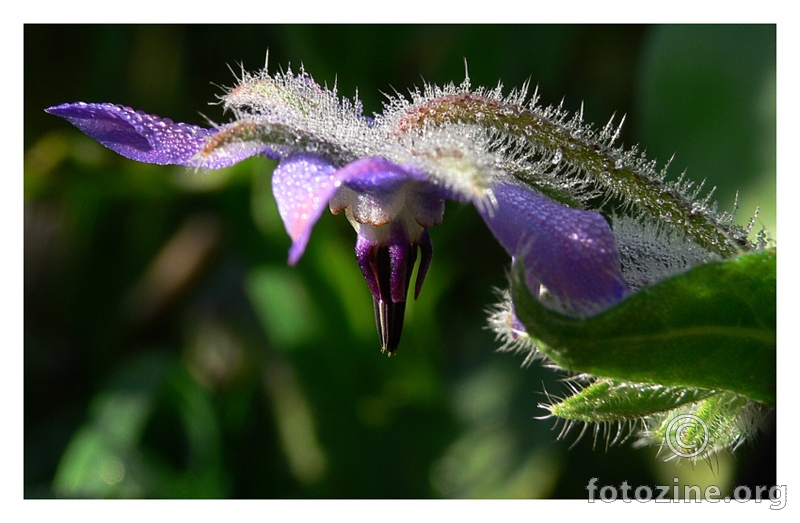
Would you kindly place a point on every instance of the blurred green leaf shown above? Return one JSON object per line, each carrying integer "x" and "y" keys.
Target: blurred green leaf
{"x": 97, "y": 460}
{"x": 119, "y": 452}
{"x": 283, "y": 304}
{"x": 712, "y": 327}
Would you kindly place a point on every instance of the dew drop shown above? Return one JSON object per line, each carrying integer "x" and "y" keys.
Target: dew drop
{"x": 557, "y": 156}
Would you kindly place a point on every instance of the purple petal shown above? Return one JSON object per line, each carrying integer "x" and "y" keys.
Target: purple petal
{"x": 303, "y": 184}
{"x": 148, "y": 138}
{"x": 378, "y": 176}
{"x": 571, "y": 252}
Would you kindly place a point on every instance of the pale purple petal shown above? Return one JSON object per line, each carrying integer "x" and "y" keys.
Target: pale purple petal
{"x": 571, "y": 252}
{"x": 303, "y": 184}
{"x": 149, "y": 138}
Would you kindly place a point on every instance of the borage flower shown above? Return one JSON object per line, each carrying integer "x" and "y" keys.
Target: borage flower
{"x": 390, "y": 175}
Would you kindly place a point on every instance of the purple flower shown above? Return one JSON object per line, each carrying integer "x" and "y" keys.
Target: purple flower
{"x": 391, "y": 198}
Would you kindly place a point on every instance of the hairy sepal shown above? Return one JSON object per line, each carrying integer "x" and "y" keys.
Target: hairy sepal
{"x": 570, "y": 161}
{"x": 697, "y": 430}
{"x": 610, "y": 400}
{"x": 685, "y": 423}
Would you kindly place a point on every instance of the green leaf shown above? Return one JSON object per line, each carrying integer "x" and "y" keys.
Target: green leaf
{"x": 712, "y": 327}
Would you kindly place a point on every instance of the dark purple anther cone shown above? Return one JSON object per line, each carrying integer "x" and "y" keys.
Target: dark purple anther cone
{"x": 387, "y": 267}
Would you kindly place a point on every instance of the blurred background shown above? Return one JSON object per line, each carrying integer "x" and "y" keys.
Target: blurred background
{"x": 170, "y": 352}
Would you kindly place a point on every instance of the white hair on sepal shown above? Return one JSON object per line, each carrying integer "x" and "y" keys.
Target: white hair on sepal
{"x": 614, "y": 431}
{"x": 297, "y": 102}
{"x": 652, "y": 251}
{"x": 398, "y": 107}
{"x": 456, "y": 158}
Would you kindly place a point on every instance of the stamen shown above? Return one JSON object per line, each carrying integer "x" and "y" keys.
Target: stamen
{"x": 390, "y": 269}
{"x": 402, "y": 255}
{"x": 389, "y": 320}
{"x": 367, "y": 256}
{"x": 387, "y": 266}
{"x": 426, "y": 249}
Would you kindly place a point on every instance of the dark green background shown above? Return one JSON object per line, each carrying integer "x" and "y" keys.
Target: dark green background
{"x": 251, "y": 379}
